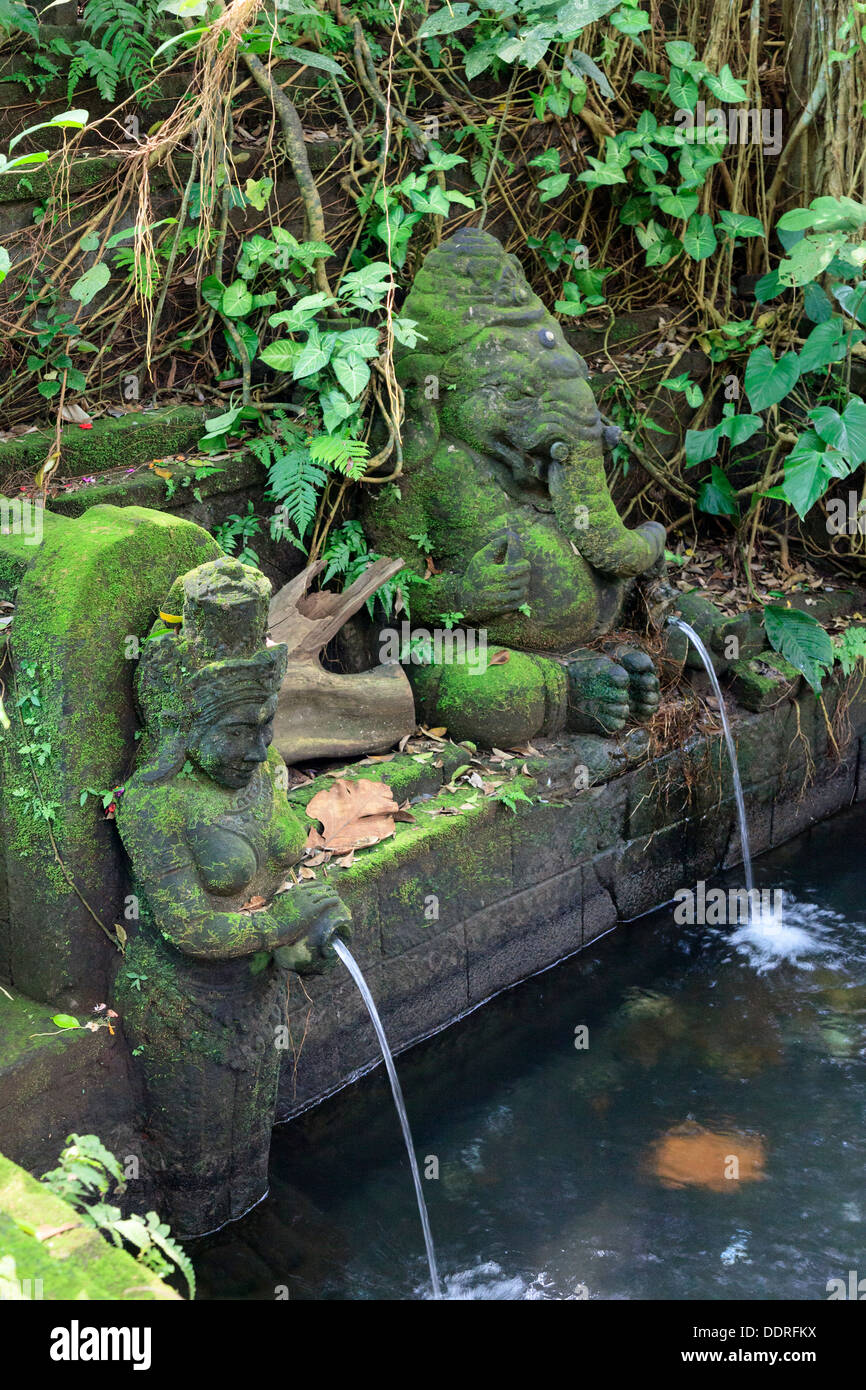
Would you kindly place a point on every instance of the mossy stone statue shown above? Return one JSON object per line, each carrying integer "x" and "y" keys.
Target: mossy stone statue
{"x": 212, "y": 838}
{"x": 504, "y": 480}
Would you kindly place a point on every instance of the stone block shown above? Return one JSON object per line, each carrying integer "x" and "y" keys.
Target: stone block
{"x": 441, "y": 870}
{"x": 658, "y": 795}
{"x": 419, "y": 990}
{"x": 532, "y": 929}
{"x": 599, "y": 909}
{"x": 759, "y": 802}
{"x": 648, "y": 871}
{"x": 821, "y": 799}
{"x": 705, "y": 844}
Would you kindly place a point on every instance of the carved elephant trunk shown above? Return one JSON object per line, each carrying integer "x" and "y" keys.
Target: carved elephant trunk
{"x": 585, "y": 511}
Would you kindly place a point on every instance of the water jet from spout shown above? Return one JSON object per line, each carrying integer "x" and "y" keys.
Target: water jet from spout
{"x": 732, "y": 752}
{"x": 355, "y": 971}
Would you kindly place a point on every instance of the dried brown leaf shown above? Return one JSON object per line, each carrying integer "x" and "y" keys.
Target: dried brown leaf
{"x": 353, "y": 814}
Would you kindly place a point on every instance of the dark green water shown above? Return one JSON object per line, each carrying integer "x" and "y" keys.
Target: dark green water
{"x": 600, "y": 1172}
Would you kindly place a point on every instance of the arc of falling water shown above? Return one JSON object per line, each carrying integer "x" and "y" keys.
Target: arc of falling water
{"x": 355, "y": 971}
{"x": 732, "y": 751}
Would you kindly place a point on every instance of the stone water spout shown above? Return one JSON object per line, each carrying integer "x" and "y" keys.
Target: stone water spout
{"x": 212, "y": 840}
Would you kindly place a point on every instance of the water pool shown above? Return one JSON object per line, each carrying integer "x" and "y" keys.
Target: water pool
{"x": 707, "y": 1143}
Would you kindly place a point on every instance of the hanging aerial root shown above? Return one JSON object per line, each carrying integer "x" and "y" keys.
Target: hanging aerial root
{"x": 202, "y": 121}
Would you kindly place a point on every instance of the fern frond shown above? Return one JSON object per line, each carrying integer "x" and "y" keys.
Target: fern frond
{"x": 348, "y": 456}
{"x": 478, "y": 166}
{"x": 100, "y": 65}
{"x": 122, "y": 36}
{"x": 159, "y": 1234}
{"x": 295, "y": 482}
{"x": 16, "y": 16}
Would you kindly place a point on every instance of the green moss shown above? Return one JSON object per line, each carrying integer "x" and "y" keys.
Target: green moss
{"x": 158, "y": 1002}
{"x": 34, "y": 183}
{"x": 130, "y": 440}
{"x": 148, "y": 489}
{"x": 26, "y": 1028}
{"x": 760, "y": 682}
{"x": 429, "y": 833}
{"x": 75, "y": 1263}
{"x": 89, "y": 586}
{"x": 507, "y": 703}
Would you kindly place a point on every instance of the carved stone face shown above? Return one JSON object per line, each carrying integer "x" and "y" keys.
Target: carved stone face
{"x": 230, "y": 748}
{"x": 518, "y": 393}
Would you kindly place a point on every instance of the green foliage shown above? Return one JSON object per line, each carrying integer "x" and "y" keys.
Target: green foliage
{"x": 657, "y": 170}
{"x": 295, "y": 482}
{"x": 506, "y": 34}
{"x": 16, "y": 17}
{"x": 239, "y": 530}
{"x": 703, "y": 444}
{"x": 84, "y": 1177}
{"x": 717, "y": 496}
{"x": 106, "y": 795}
{"x": 34, "y": 749}
{"x": 510, "y": 794}
{"x": 392, "y": 212}
{"x": 65, "y": 1021}
{"x": 830, "y": 441}
{"x": 324, "y": 344}
{"x": 55, "y": 339}
{"x": 122, "y": 41}
{"x": 850, "y": 649}
{"x": 767, "y": 381}
{"x": 347, "y": 556}
{"x": 800, "y": 639}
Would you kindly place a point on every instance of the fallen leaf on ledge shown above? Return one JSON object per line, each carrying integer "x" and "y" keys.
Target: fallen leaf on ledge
{"x": 46, "y": 1232}
{"x": 353, "y": 815}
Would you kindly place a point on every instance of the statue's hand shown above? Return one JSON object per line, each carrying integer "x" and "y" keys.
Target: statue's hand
{"x": 496, "y": 579}
{"x": 325, "y": 917}
{"x": 656, "y": 535}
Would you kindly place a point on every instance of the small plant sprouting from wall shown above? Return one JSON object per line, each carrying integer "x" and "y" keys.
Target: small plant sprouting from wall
{"x": 85, "y": 1176}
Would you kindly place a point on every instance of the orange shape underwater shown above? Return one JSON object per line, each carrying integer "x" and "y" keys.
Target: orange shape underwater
{"x": 691, "y": 1156}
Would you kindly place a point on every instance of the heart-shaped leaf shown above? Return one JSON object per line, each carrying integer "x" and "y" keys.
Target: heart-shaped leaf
{"x": 767, "y": 382}
{"x": 716, "y": 496}
{"x": 88, "y": 285}
{"x": 699, "y": 239}
{"x": 352, "y": 373}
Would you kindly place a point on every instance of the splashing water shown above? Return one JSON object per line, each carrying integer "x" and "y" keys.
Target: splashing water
{"x": 767, "y": 941}
{"x": 355, "y": 971}
{"x": 732, "y": 752}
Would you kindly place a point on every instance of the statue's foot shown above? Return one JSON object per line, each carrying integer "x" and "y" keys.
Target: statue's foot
{"x": 643, "y": 683}
{"x": 598, "y": 694}
{"x": 606, "y": 690}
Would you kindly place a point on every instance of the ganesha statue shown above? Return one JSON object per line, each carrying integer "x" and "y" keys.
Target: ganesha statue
{"x": 213, "y": 841}
{"x": 504, "y": 504}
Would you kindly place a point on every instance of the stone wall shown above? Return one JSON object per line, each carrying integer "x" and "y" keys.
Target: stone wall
{"x": 515, "y": 893}
{"x": 518, "y": 892}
